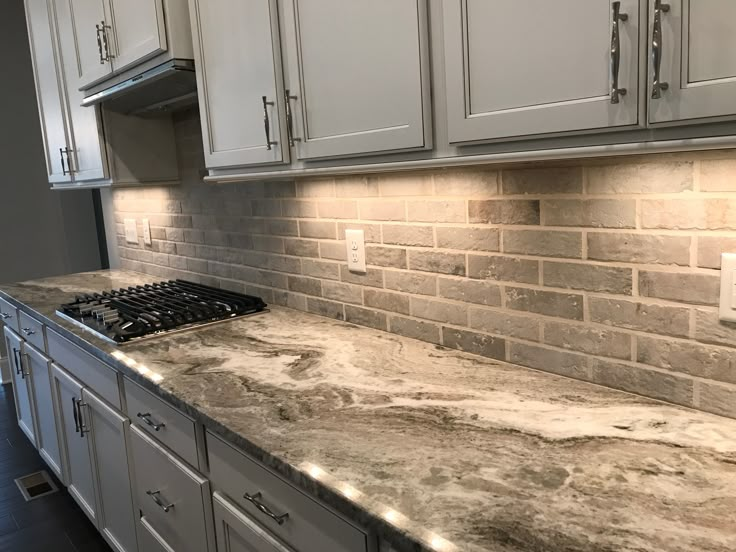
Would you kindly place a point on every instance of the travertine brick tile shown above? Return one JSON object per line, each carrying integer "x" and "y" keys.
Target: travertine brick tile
{"x": 469, "y": 291}
{"x": 388, "y": 301}
{"x": 317, "y": 229}
{"x": 710, "y": 249}
{"x": 598, "y": 213}
{"x": 430, "y": 309}
{"x": 588, "y": 339}
{"x": 705, "y": 361}
{"x": 547, "y": 180}
{"x": 436, "y": 211}
{"x": 638, "y": 380}
{"x": 544, "y": 243}
{"x": 633, "y": 315}
{"x": 691, "y": 214}
{"x": 442, "y": 263}
{"x": 503, "y": 322}
{"x": 639, "y": 248}
{"x": 548, "y": 303}
{"x": 550, "y": 360}
{"x": 411, "y": 282}
{"x": 645, "y": 178}
{"x": 503, "y": 268}
{"x": 475, "y": 343}
{"x": 426, "y": 331}
{"x": 394, "y": 257}
{"x": 382, "y": 209}
{"x": 504, "y": 211}
{"x": 467, "y": 238}
{"x": 589, "y": 277}
{"x": 403, "y": 234}
{"x": 699, "y": 289}
{"x": 366, "y": 317}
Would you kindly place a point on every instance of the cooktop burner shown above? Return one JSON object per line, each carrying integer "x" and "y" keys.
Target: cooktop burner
{"x": 136, "y": 312}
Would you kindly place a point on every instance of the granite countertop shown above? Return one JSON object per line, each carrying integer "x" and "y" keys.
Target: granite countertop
{"x": 435, "y": 449}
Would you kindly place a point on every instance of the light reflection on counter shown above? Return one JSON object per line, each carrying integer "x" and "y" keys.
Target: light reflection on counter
{"x": 138, "y": 367}
{"x": 394, "y": 517}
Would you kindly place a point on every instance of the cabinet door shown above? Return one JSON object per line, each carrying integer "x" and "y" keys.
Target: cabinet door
{"x": 515, "y": 68}
{"x": 138, "y": 33}
{"x": 47, "y": 435}
{"x": 356, "y": 74}
{"x": 116, "y": 519}
{"x": 236, "y": 532}
{"x": 75, "y": 441}
{"x": 48, "y": 90}
{"x": 697, "y": 59}
{"x": 22, "y": 386}
{"x": 236, "y": 49}
{"x": 86, "y": 45}
{"x": 88, "y": 158}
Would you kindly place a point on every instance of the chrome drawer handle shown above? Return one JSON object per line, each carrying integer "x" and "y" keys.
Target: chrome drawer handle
{"x": 155, "y": 497}
{"x": 4, "y": 315}
{"x": 18, "y": 364}
{"x": 256, "y": 501}
{"x": 616, "y": 92}
{"x": 76, "y": 414}
{"x": 147, "y": 420}
{"x": 28, "y": 331}
{"x": 657, "y": 46}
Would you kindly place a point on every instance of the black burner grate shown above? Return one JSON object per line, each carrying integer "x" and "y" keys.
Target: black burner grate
{"x": 138, "y": 311}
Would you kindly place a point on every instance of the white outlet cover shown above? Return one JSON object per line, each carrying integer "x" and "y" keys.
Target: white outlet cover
{"x": 131, "y": 231}
{"x": 355, "y": 246}
{"x": 146, "y": 232}
{"x": 727, "y": 304}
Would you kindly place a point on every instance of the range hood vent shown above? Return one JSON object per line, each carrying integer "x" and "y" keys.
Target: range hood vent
{"x": 165, "y": 88}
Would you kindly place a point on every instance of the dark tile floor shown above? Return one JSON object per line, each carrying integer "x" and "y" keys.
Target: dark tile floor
{"x": 52, "y": 523}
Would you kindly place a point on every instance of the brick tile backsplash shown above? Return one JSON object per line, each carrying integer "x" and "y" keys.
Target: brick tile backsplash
{"x": 606, "y": 271}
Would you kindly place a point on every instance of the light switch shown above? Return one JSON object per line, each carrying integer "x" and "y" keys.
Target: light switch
{"x": 727, "y": 310}
{"x": 146, "y": 232}
{"x": 355, "y": 244}
{"x": 131, "y": 231}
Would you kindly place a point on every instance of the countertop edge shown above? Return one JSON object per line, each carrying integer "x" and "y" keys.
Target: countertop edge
{"x": 355, "y": 513}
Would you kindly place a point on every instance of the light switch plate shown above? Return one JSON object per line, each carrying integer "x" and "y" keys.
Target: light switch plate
{"x": 355, "y": 245}
{"x": 131, "y": 231}
{"x": 146, "y": 232}
{"x": 727, "y": 304}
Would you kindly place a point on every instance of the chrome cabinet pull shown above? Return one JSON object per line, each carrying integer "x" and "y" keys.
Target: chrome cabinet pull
{"x": 102, "y": 43}
{"x": 82, "y": 428}
{"x": 155, "y": 496}
{"x": 147, "y": 420}
{"x": 616, "y": 92}
{"x": 99, "y": 42}
{"x": 18, "y": 367}
{"x": 267, "y": 123}
{"x": 63, "y": 165}
{"x": 28, "y": 331}
{"x": 256, "y": 501}
{"x": 4, "y": 315}
{"x": 76, "y": 415}
{"x": 289, "y": 119}
{"x": 657, "y": 85}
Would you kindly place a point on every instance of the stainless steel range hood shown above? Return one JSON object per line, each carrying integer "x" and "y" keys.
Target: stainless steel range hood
{"x": 166, "y": 87}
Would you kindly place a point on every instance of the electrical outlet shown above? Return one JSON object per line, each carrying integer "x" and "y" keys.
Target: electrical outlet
{"x": 146, "y": 232}
{"x": 727, "y": 304}
{"x": 355, "y": 244}
{"x": 131, "y": 231}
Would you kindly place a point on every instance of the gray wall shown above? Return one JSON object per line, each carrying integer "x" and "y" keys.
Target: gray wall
{"x": 42, "y": 233}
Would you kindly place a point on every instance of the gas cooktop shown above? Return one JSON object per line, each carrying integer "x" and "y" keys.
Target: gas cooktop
{"x": 142, "y": 311}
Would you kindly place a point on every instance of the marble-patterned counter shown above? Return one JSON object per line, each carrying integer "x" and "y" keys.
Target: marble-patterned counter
{"x": 435, "y": 449}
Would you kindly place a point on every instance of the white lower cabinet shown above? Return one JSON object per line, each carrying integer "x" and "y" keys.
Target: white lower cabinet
{"x": 236, "y": 532}
{"x": 37, "y": 364}
{"x": 78, "y": 461}
{"x": 107, "y": 429}
{"x": 22, "y": 385}
{"x": 97, "y": 475}
{"x": 174, "y": 499}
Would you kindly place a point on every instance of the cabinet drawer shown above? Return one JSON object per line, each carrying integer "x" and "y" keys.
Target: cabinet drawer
{"x": 148, "y": 412}
{"x": 175, "y": 500}
{"x": 97, "y": 375}
{"x": 236, "y": 532}
{"x": 9, "y": 315}
{"x": 149, "y": 540}
{"x": 32, "y": 331}
{"x": 309, "y": 527}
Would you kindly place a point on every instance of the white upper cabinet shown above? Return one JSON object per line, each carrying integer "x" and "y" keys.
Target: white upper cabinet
{"x": 516, "y": 68}
{"x": 48, "y": 90}
{"x": 693, "y": 59}
{"x": 357, "y": 76}
{"x": 88, "y": 160}
{"x": 139, "y": 31}
{"x": 238, "y": 58}
{"x": 88, "y": 40}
